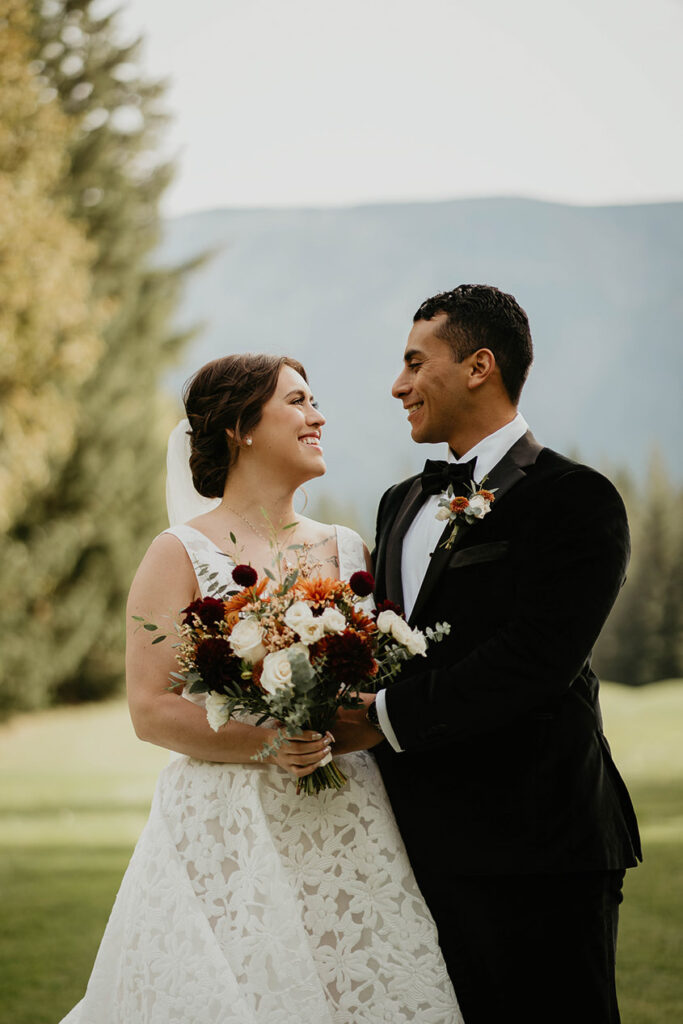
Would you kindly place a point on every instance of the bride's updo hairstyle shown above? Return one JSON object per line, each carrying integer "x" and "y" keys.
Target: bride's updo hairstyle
{"x": 227, "y": 394}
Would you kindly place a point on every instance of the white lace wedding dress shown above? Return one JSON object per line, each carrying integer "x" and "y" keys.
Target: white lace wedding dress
{"x": 244, "y": 903}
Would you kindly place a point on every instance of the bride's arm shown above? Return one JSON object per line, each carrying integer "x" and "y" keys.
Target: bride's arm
{"x": 164, "y": 584}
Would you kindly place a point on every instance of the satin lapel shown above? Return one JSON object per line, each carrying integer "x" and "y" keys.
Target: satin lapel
{"x": 508, "y": 472}
{"x": 411, "y": 505}
{"x": 437, "y": 563}
{"x": 512, "y": 467}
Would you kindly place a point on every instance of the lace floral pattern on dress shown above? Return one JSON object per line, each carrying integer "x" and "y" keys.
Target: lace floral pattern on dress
{"x": 246, "y": 904}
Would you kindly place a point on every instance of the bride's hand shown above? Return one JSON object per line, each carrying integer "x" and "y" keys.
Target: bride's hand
{"x": 301, "y": 755}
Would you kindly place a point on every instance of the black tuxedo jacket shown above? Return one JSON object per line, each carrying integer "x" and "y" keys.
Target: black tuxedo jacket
{"x": 505, "y": 766}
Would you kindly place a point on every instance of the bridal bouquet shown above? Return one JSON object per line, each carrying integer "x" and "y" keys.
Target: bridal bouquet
{"x": 292, "y": 651}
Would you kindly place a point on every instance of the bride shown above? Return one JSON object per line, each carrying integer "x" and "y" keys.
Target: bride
{"x": 244, "y": 903}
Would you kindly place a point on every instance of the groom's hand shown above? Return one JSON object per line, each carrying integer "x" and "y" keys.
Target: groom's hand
{"x": 351, "y": 729}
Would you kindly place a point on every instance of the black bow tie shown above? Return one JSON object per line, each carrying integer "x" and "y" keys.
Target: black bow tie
{"x": 436, "y": 476}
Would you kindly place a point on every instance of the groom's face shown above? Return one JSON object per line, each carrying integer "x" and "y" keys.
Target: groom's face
{"x": 432, "y": 387}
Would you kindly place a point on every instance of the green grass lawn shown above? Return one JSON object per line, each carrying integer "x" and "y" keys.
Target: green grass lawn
{"x": 75, "y": 788}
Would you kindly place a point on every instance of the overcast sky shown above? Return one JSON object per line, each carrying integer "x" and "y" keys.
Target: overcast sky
{"x": 321, "y": 102}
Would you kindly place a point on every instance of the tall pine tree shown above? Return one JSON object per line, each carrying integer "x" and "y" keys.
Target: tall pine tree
{"x": 89, "y": 526}
{"x": 49, "y": 343}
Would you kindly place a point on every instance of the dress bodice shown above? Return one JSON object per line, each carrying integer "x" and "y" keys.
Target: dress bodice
{"x": 203, "y": 552}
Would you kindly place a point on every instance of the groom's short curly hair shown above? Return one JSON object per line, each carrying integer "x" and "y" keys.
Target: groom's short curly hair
{"x": 481, "y": 316}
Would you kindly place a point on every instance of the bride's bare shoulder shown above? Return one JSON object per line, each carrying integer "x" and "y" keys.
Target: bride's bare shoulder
{"x": 165, "y": 563}
{"x": 315, "y": 532}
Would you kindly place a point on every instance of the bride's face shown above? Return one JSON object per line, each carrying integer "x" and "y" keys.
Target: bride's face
{"x": 287, "y": 437}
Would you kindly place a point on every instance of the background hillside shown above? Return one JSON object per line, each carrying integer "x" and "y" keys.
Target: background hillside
{"x": 337, "y": 288}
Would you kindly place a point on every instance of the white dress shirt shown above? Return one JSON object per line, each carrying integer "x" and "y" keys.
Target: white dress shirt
{"x": 425, "y": 530}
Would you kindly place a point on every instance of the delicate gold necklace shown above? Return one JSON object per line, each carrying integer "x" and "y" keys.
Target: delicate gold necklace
{"x": 251, "y": 526}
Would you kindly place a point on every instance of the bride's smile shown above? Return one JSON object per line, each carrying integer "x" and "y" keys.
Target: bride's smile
{"x": 286, "y": 442}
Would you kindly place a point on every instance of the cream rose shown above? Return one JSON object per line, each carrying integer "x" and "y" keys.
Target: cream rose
{"x": 246, "y": 640}
{"x": 216, "y": 709}
{"x": 277, "y": 672}
{"x": 297, "y": 615}
{"x": 411, "y": 639}
{"x": 443, "y": 514}
{"x": 311, "y": 632}
{"x": 333, "y": 621}
{"x": 417, "y": 643}
{"x": 478, "y": 506}
{"x": 385, "y": 621}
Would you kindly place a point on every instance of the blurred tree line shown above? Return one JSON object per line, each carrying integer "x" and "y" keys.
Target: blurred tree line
{"x": 643, "y": 638}
{"x": 85, "y": 335}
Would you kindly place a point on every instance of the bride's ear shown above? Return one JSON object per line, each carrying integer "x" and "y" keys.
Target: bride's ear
{"x": 232, "y": 442}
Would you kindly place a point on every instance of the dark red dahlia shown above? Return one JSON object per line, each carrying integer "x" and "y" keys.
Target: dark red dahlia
{"x": 216, "y": 663}
{"x": 244, "y": 575}
{"x": 210, "y": 610}
{"x": 362, "y": 583}
{"x": 389, "y": 606}
{"x": 348, "y": 657}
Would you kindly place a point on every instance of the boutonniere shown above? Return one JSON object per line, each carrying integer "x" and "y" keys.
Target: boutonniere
{"x": 464, "y": 509}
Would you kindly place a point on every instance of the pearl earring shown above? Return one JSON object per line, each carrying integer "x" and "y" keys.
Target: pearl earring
{"x": 249, "y": 441}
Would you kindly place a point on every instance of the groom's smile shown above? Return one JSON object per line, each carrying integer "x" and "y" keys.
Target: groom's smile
{"x": 432, "y": 385}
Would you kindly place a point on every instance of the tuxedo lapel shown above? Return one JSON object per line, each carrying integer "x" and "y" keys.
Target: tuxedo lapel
{"x": 503, "y": 477}
{"x": 512, "y": 467}
{"x": 410, "y": 506}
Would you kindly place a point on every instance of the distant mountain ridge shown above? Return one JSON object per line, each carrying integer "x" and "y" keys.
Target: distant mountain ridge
{"x": 337, "y": 288}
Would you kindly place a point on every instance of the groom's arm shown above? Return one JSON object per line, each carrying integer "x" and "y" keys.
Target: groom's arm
{"x": 576, "y": 555}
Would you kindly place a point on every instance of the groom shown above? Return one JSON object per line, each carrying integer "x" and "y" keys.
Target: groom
{"x": 517, "y": 823}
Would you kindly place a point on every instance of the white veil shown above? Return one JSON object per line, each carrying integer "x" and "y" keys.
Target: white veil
{"x": 182, "y": 501}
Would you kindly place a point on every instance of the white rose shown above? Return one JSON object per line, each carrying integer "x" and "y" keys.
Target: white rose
{"x": 246, "y": 640}
{"x": 478, "y": 506}
{"x": 216, "y": 709}
{"x": 277, "y": 672}
{"x": 443, "y": 515}
{"x": 401, "y": 632}
{"x": 311, "y": 632}
{"x": 385, "y": 621}
{"x": 417, "y": 643}
{"x": 298, "y": 615}
{"x": 333, "y": 620}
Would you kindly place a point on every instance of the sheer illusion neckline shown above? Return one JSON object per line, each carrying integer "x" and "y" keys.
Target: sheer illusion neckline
{"x": 218, "y": 550}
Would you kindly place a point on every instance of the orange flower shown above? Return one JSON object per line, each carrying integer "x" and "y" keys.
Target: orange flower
{"x": 232, "y": 618}
{"x": 245, "y": 597}
{"x": 459, "y": 504}
{"x": 486, "y": 495}
{"x": 363, "y": 623}
{"x": 318, "y": 590}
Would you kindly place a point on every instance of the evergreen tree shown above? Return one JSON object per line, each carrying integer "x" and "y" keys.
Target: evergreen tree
{"x": 641, "y": 641}
{"x": 87, "y": 529}
{"x": 49, "y": 337}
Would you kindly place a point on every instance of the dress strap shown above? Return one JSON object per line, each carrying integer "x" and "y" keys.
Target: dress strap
{"x": 351, "y": 551}
{"x": 205, "y": 556}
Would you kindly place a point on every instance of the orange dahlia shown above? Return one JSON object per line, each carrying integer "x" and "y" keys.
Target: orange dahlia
{"x": 318, "y": 590}
{"x": 486, "y": 495}
{"x": 363, "y": 623}
{"x": 245, "y": 597}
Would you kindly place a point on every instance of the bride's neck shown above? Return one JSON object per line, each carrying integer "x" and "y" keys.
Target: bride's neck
{"x": 265, "y": 503}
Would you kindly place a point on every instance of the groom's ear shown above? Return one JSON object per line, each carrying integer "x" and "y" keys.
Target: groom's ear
{"x": 482, "y": 366}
